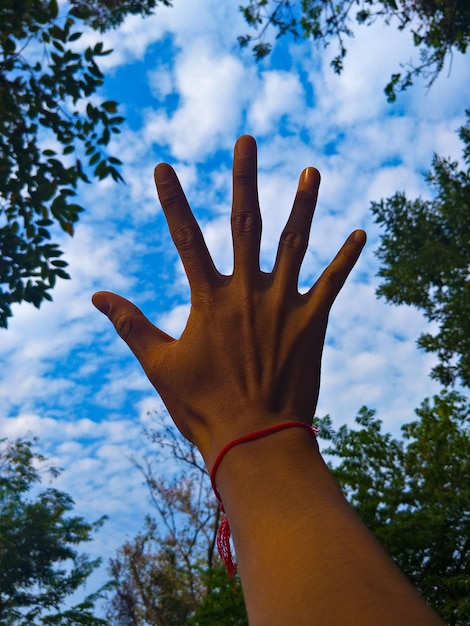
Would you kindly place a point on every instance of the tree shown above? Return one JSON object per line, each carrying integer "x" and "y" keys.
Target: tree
{"x": 53, "y": 134}
{"x": 40, "y": 567}
{"x": 425, "y": 255}
{"x": 437, "y": 27}
{"x": 170, "y": 573}
{"x": 152, "y": 581}
{"x": 105, "y": 14}
{"x": 222, "y": 603}
{"x": 413, "y": 494}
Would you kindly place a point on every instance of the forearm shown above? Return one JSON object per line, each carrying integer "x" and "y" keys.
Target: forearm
{"x": 304, "y": 556}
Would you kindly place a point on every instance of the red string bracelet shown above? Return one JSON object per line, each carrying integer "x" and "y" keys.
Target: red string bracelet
{"x": 223, "y": 532}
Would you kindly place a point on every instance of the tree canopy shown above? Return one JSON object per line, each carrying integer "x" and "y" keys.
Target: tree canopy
{"x": 425, "y": 261}
{"x": 105, "y": 14}
{"x": 413, "y": 494}
{"x": 437, "y": 27}
{"x": 54, "y": 133}
{"x": 40, "y": 566}
{"x": 170, "y": 574}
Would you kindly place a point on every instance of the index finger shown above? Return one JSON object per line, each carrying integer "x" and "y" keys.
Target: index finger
{"x": 184, "y": 229}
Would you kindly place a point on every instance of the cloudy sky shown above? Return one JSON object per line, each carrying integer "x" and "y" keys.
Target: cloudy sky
{"x": 188, "y": 91}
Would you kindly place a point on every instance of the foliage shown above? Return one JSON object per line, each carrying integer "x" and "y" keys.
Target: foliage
{"x": 53, "y": 134}
{"x": 170, "y": 574}
{"x": 221, "y": 604}
{"x": 425, "y": 255}
{"x": 438, "y": 27}
{"x": 39, "y": 564}
{"x": 105, "y": 14}
{"x": 413, "y": 494}
{"x": 152, "y": 582}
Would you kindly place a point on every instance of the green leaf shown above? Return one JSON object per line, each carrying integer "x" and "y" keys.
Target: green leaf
{"x": 95, "y": 158}
{"x": 61, "y": 274}
{"x": 75, "y": 36}
{"x": 53, "y": 9}
{"x": 110, "y": 106}
{"x": 101, "y": 170}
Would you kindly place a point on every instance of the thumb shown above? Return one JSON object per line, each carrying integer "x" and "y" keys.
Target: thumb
{"x": 131, "y": 325}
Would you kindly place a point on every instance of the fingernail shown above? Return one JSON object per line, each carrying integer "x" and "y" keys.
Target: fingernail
{"x": 245, "y": 146}
{"x": 310, "y": 175}
{"x": 360, "y": 236}
{"x": 163, "y": 173}
{"x": 101, "y": 303}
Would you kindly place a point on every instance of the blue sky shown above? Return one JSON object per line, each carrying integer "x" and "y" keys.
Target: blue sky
{"x": 188, "y": 91}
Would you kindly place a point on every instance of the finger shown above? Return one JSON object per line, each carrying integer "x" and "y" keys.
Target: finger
{"x": 333, "y": 278}
{"x": 131, "y": 325}
{"x": 184, "y": 229}
{"x": 294, "y": 238}
{"x": 246, "y": 217}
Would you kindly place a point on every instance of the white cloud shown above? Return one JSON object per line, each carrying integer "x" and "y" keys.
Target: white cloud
{"x": 161, "y": 82}
{"x": 174, "y": 321}
{"x": 129, "y": 43}
{"x": 211, "y": 86}
{"x": 357, "y": 93}
{"x": 279, "y": 94}
{"x": 218, "y": 236}
{"x": 371, "y": 358}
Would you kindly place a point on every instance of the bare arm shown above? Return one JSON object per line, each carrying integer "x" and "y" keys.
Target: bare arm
{"x": 249, "y": 358}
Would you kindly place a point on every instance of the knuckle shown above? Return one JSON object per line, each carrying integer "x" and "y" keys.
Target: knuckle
{"x": 293, "y": 240}
{"x": 245, "y": 223}
{"x": 184, "y": 237}
{"x": 334, "y": 278}
{"x": 245, "y": 174}
{"x": 244, "y": 170}
{"x": 170, "y": 197}
{"x": 124, "y": 325}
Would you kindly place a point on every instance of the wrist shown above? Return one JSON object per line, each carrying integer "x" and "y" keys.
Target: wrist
{"x": 224, "y": 531}
{"x": 284, "y": 460}
{"x": 240, "y": 431}
{"x": 253, "y": 436}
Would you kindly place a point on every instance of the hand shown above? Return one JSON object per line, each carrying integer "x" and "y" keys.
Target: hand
{"x": 250, "y": 354}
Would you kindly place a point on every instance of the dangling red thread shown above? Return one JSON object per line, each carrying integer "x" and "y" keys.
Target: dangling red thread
{"x": 223, "y": 532}
{"x": 223, "y": 545}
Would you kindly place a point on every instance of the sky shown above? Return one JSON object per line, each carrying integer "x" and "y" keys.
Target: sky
{"x": 188, "y": 91}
